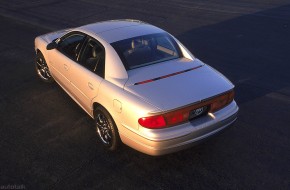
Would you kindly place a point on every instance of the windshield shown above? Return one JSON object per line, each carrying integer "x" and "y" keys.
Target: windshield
{"x": 146, "y": 50}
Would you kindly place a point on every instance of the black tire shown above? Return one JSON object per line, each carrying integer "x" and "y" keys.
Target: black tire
{"x": 42, "y": 68}
{"x": 106, "y": 129}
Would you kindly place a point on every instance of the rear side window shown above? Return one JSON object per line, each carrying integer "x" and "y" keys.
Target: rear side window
{"x": 93, "y": 57}
{"x": 71, "y": 45}
{"x": 147, "y": 50}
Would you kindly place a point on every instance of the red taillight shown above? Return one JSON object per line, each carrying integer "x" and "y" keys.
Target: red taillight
{"x": 176, "y": 117}
{"x": 221, "y": 101}
{"x": 182, "y": 115}
{"x": 152, "y": 122}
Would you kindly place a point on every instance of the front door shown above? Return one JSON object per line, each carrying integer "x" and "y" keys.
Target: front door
{"x": 64, "y": 56}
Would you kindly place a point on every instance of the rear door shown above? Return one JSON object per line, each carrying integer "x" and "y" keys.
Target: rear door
{"x": 88, "y": 73}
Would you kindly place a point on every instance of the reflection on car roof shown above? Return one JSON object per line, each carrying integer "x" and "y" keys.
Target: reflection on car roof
{"x": 116, "y": 30}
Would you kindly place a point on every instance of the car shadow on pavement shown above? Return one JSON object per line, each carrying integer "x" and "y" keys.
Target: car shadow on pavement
{"x": 251, "y": 50}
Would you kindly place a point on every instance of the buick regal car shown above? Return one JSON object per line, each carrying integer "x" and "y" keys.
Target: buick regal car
{"x": 139, "y": 83}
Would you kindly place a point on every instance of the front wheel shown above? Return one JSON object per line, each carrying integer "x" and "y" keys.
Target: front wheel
{"x": 106, "y": 129}
{"x": 42, "y": 68}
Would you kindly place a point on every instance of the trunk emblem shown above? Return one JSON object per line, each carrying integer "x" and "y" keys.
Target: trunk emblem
{"x": 198, "y": 112}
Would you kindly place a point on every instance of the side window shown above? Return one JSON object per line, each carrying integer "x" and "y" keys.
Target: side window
{"x": 93, "y": 57}
{"x": 70, "y": 46}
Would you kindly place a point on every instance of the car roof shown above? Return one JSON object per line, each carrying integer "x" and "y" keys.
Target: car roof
{"x": 116, "y": 30}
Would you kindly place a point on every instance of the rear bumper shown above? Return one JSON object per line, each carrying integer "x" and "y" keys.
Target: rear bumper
{"x": 164, "y": 141}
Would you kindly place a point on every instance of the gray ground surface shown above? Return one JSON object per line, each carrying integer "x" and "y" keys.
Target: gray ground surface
{"x": 48, "y": 142}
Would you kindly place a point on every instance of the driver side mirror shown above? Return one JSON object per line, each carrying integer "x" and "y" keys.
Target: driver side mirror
{"x": 51, "y": 45}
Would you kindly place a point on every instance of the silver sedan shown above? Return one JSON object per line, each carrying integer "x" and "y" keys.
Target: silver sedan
{"x": 139, "y": 83}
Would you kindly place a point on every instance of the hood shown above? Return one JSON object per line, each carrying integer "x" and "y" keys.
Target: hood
{"x": 176, "y": 83}
{"x": 53, "y": 35}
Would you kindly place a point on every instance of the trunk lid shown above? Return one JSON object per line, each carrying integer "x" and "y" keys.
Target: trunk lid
{"x": 176, "y": 83}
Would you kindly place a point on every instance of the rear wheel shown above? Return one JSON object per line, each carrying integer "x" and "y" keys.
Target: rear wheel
{"x": 106, "y": 129}
{"x": 42, "y": 68}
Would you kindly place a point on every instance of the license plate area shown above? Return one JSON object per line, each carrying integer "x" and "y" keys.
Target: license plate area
{"x": 198, "y": 112}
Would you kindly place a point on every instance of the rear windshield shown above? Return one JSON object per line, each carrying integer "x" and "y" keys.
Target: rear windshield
{"x": 146, "y": 50}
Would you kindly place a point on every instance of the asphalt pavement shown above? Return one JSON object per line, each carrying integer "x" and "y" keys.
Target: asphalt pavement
{"x": 48, "y": 142}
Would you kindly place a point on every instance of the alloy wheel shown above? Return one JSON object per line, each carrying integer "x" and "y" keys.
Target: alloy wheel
{"x": 42, "y": 69}
{"x": 104, "y": 129}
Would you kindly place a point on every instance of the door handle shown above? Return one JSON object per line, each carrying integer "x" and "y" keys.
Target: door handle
{"x": 65, "y": 67}
{"x": 90, "y": 85}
